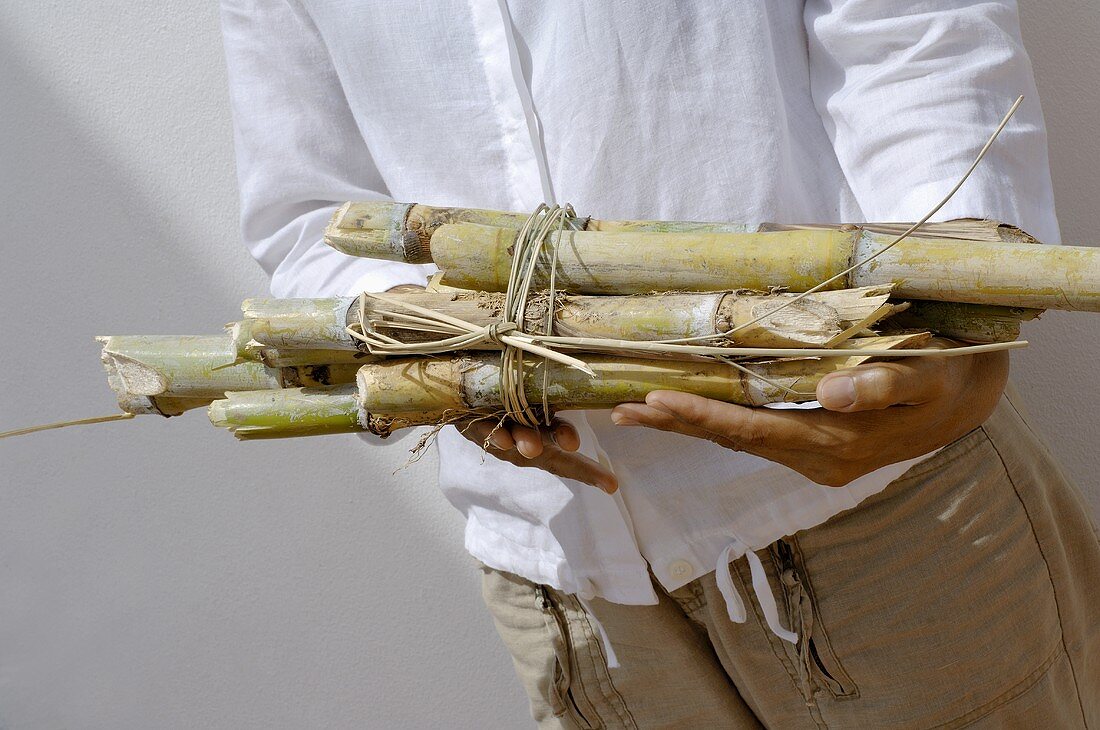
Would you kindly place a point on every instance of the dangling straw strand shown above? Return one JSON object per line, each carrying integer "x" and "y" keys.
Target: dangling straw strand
{"x": 908, "y": 232}
{"x": 66, "y": 424}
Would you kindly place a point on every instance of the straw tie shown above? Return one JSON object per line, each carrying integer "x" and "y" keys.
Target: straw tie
{"x": 508, "y": 333}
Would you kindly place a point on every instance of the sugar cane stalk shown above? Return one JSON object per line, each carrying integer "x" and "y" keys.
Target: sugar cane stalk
{"x": 403, "y": 231}
{"x": 278, "y": 325}
{"x": 471, "y": 382}
{"x": 168, "y": 375}
{"x": 289, "y": 412}
{"x": 977, "y": 323}
{"x": 294, "y": 412}
{"x": 1003, "y": 274}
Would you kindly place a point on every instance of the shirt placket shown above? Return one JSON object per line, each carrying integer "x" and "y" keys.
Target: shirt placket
{"x": 528, "y": 176}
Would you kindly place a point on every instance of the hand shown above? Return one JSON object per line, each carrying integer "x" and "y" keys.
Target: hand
{"x": 550, "y": 448}
{"x": 875, "y": 414}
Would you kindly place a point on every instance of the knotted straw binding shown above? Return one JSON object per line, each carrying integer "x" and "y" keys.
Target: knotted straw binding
{"x": 525, "y": 256}
{"x": 508, "y": 333}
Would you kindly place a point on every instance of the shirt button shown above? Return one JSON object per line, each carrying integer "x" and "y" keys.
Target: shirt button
{"x": 680, "y": 569}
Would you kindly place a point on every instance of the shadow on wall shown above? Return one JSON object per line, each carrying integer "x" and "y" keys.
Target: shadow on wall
{"x": 108, "y": 228}
{"x": 100, "y": 248}
{"x": 156, "y": 571}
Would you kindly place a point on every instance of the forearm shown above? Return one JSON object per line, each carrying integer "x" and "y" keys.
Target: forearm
{"x": 909, "y": 94}
{"x": 300, "y": 153}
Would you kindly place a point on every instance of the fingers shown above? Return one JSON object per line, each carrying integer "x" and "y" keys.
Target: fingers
{"x": 564, "y": 435}
{"x": 735, "y": 427}
{"x": 486, "y": 430}
{"x": 881, "y": 385}
{"x": 530, "y": 442}
{"x": 550, "y": 449}
{"x": 577, "y": 467}
{"x": 860, "y": 432}
{"x": 640, "y": 414}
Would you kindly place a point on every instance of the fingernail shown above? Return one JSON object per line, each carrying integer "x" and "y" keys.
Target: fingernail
{"x": 495, "y": 440}
{"x": 621, "y": 419}
{"x": 839, "y": 392}
{"x": 522, "y": 452}
{"x": 657, "y": 405}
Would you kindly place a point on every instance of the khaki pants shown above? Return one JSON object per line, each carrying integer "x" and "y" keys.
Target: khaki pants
{"x": 967, "y": 594}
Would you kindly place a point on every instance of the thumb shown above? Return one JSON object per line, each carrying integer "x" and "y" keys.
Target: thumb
{"x": 881, "y": 385}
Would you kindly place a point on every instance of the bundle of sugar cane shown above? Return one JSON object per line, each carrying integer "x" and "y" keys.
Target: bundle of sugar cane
{"x": 287, "y": 368}
{"x": 285, "y": 343}
{"x": 610, "y": 310}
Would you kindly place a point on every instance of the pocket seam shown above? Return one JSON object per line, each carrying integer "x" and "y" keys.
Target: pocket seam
{"x": 609, "y": 694}
{"x": 1050, "y": 455}
{"x": 1012, "y": 693}
{"x": 946, "y": 455}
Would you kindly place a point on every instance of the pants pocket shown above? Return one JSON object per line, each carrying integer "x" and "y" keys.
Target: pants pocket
{"x": 935, "y": 594}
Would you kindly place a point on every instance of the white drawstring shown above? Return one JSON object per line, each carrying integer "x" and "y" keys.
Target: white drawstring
{"x": 735, "y": 605}
{"x": 764, "y": 595}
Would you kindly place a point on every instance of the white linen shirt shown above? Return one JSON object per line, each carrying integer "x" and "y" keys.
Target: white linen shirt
{"x": 724, "y": 110}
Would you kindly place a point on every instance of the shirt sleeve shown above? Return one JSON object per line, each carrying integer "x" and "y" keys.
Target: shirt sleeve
{"x": 910, "y": 90}
{"x": 299, "y": 153}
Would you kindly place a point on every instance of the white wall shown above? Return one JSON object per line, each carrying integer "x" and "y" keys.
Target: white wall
{"x": 156, "y": 573}
{"x": 1060, "y": 373}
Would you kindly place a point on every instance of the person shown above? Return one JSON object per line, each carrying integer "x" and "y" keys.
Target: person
{"x": 907, "y": 555}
